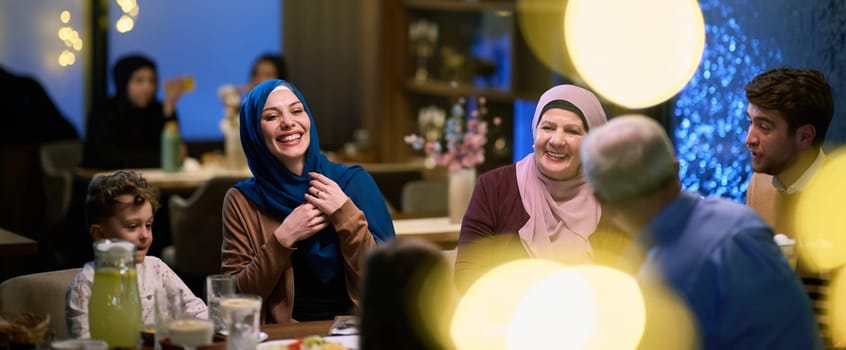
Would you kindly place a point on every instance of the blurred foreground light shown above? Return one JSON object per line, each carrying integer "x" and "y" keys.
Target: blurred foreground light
{"x": 820, "y": 223}
{"x": 837, "y": 308}
{"x": 635, "y": 53}
{"x": 618, "y": 308}
{"x": 65, "y": 16}
{"x": 124, "y": 24}
{"x": 483, "y": 315}
{"x": 534, "y": 303}
{"x": 541, "y": 24}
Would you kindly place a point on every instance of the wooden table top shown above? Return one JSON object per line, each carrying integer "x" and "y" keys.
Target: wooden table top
{"x": 12, "y": 244}
{"x": 274, "y": 332}
{"x": 438, "y": 230}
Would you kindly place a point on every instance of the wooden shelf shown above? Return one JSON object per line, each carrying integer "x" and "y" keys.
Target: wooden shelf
{"x": 446, "y": 89}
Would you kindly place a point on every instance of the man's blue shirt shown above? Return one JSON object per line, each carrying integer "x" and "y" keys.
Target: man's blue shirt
{"x": 719, "y": 256}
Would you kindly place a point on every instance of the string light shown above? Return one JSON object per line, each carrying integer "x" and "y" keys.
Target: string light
{"x": 126, "y": 22}
{"x": 70, "y": 37}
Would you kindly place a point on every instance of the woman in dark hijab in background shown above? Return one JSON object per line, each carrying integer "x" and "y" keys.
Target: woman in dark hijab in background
{"x": 125, "y": 131}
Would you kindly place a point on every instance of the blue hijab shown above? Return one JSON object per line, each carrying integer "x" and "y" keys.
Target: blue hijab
{"x": 277, "y": 191}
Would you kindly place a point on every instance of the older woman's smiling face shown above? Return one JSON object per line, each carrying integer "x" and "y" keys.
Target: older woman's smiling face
{"x": 558, "y": 138}
{"x": 285, "y": 126}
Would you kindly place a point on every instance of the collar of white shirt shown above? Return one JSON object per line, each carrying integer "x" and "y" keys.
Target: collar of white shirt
{"x": 803, "y": 180}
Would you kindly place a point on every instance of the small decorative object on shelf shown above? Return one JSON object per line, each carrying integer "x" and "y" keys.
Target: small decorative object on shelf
{"x": 422, "y": 35}
{"x": 459, "y": 147}
{"x": 453, "y": 65}
{"x": 462, "y": 142}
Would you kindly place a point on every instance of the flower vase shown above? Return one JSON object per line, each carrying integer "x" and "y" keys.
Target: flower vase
{"x": 460, "y": 187}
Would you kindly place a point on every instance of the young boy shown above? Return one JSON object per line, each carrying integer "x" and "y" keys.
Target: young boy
{"x": 121, "y": 206}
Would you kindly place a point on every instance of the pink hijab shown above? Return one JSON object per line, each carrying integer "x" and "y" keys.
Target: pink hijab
{"x": 562, "y": 214}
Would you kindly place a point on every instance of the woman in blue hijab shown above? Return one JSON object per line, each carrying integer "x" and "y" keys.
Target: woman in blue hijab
{"x": 297, "y": 232}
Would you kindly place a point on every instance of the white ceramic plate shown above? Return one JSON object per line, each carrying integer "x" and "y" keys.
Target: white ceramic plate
{"x": 348, "y": 341}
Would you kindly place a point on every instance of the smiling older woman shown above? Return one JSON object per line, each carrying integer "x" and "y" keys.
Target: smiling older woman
{"x": 540, "y": 206}
{"x": 301, "y": 217}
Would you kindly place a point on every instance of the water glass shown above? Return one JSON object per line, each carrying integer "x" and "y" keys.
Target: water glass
{"x": 168, "y": 306}
{"x": 218, "y": 286}
{"x": 242, "y": 313}
{"x": 191, "y": 332}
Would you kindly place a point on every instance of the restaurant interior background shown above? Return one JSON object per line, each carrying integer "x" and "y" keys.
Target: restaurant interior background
{"x": 351, "y": 61}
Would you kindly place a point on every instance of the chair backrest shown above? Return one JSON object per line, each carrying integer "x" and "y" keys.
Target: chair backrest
{"x": 425, "y": 196}
{"x": 41, "y": 293}
{"x": 196, "y": 226}
{"x": 58, "y": 160}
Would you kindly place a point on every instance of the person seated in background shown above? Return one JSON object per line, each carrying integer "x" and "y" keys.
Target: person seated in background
{"x": 715, "y": 254}
{"x": 125, "y": 131}
{"x": 30, "y": 115}
{"x": 407, "y": 297}
{"x": 297, "y": 232}
{"x": 121, "y": 206}
{"x": 541, "y": 206}
{"x": 266, "y": 67}
{"x": 789, "y": 113}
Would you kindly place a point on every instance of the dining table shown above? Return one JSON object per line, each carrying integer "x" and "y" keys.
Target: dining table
{"x": 13, "y": 244}
{"x": 439, "y": 230}
{"x": 277, "y": 331}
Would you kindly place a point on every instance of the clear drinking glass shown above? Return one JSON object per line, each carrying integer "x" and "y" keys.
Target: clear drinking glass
{"x": 218, "y": 286}
{"x": 168, "y": 307}
{"x": 242, "y": 313}
{"x": 190, "y": 332}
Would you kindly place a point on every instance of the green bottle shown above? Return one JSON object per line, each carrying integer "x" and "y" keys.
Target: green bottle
{"x": 171, "y": 141}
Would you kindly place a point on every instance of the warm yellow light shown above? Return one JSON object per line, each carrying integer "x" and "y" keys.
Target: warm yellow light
{"x": 126, "y": 5}
{"x": 483, "y": 315}
{"x": 617, "y": 307}
{"x": 837, "y": 307}
{"x": 64, "y": 33}
{"x": 540, "y": 23}
{"x": 124, "y": 24}
{"x": 67, "y": 58}
{"x": 77, "y": 44}
{"x": 669, "y": 322}
{"x": 559, "y": 309}
{"x": 820, "y": 223}
{"x": 65, "y": 17}
{"x": 543, "y": 304}
{"x": 133, "y": 11}
{"x": 635, "y": 53}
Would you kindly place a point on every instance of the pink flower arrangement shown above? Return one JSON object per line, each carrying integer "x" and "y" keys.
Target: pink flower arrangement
{"x": 455, "y": 143}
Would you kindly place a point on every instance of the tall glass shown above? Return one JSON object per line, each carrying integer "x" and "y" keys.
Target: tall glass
{"x": 242, "y": 313}
{"x": 191, "y": 333}
{"x": 168, "y": 306}
{"x": 218, "y": 286}
{"x": 114, "y": 309}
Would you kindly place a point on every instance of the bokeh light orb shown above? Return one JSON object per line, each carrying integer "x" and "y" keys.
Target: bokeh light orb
{"x": 483, "y": 314}
{"x": 617, "y": 306}
{"x": 635, "y": 53}
{"x": 558, "y": 310}
{"x": 820, "y": 223}
{"x": 837, "y": 308}
{"x": 535, "y": 303}
{"x": 540, "y": 23}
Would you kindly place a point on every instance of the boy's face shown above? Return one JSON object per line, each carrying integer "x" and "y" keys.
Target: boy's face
{"x": 130, "y": 222}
